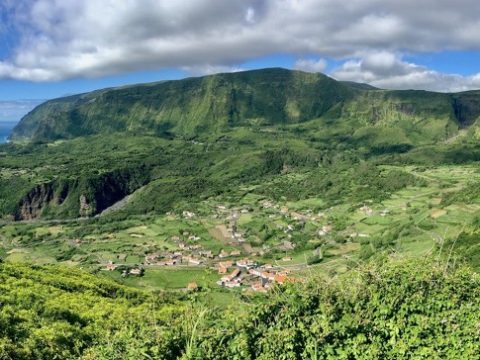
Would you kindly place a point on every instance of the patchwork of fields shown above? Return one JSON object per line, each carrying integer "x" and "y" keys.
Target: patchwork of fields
{"x": 300, "y": 238}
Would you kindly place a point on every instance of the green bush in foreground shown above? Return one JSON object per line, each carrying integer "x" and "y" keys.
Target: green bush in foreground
{"x": 397, "y": 309}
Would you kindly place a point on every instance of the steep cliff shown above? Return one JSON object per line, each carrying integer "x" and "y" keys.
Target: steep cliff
{"x": 80, "y": 197}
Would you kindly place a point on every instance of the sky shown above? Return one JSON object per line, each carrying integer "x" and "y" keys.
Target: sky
{"x": 52, "y": 48}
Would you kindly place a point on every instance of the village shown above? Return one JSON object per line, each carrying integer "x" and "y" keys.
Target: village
{"x": 233, "y": 271}
{"x": 238, "y": 265}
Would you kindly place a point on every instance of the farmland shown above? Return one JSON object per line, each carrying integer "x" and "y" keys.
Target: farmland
{"x": 415, "y": 221}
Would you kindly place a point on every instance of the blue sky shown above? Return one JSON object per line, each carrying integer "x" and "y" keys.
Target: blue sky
{"x": 52, "y": 48}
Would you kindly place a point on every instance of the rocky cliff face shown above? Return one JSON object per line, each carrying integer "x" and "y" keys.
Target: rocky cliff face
{"x": 82, "y": 197}
{"x": 35, "y": 201}
{"x": 85, "y": 208}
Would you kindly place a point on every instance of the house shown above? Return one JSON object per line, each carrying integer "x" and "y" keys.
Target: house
{"x": 206, "y": 253}
{"x": 231, "y": 276}
{"x": 135, "y": 271}
{"x": 226, "y": 264}
{"x": 287, "y": 258}
{"x": 246, "y": 263}
{"x": 222, "y": 270}
{"x": 232, "y": 284}
{"x": 280, "y": 278}
{"x": 255, "y": 271}
{"x": 235, "y": 253}
{"x": 111, "y": 266}
{"x": 223, "y": 266}
{"x": 195, "y": 261}
{"x": 268, "y": 276}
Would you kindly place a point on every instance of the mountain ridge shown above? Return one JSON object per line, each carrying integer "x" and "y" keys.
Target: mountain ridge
{"x": 214, "y": 103}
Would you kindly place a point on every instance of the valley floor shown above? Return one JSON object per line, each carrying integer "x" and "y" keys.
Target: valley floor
{"x": 245, "y": 242}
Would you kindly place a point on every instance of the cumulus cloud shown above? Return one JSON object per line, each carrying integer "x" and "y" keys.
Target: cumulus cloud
{"x": 388, "y": 70}
{"x": 14, "y": 110}
{"x": 311, "y": 65}
{"x": 60, "y": 39}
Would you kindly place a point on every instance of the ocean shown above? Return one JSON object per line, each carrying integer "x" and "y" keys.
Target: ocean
{"x": 5, "y": 130}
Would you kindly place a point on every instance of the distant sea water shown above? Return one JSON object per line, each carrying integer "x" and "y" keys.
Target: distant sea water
{"x": 6, "y": 128}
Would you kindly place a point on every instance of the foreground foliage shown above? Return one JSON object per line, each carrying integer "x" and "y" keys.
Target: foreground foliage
{"x": 392, "y": 309}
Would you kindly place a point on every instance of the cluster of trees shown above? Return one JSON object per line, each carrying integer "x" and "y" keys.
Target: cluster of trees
{"x": 342, "y": 182}
{"x": 388, "y": 309}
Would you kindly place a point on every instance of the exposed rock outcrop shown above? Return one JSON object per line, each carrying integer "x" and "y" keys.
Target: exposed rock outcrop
{"x": 85, "y": 208}
{"x": 35, "y": 201}
{"x": 82, "y": 197}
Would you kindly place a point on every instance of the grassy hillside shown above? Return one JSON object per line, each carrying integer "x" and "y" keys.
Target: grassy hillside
{"x": 213, "y": 104}
{"x": 188, "y": 107}
{"x": 364, "y": 201}
{"x": 396, "y": 308}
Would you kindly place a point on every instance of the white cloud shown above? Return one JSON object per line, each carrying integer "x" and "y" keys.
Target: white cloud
{"x": 60, "y": 39}
{"x": 388, "y": 70}
{"x": 311, "y": 65}
{"x": 207, "y": 69}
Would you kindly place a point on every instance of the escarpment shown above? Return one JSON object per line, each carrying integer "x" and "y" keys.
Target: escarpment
{"x": 81, "y": 197}
{"x": 35, "y": 201}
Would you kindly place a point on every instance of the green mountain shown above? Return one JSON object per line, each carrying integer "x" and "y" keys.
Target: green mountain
{"x": 214, "y": 104}
{"x": 192, "y": 138}
{"x": 362, "y": 204}
{"x": 188, "y": 107}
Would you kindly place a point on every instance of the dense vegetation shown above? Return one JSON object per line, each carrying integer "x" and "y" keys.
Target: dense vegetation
{"x": 199, "y": 107}
{"x": 390, "y": 309}
{"x": 370, "y": 196}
